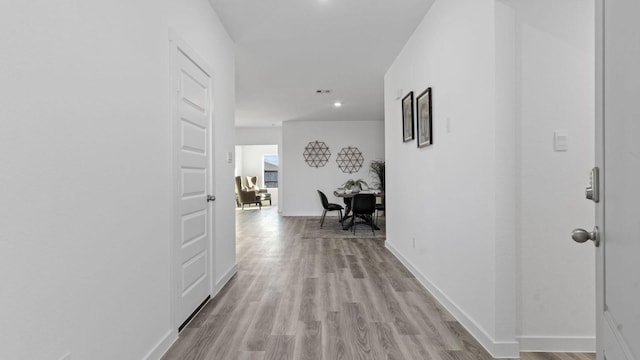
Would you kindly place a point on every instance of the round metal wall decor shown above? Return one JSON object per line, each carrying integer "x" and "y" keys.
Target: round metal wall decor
{"x": 316, "y": 154}
{"x": 350, "y": 160}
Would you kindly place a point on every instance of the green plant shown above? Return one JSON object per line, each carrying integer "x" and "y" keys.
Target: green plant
{"x": 350, "y": 184}
{"x": 376, "y": 169}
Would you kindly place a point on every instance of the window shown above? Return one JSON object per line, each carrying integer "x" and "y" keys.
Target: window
{"x": 271, "y": 171}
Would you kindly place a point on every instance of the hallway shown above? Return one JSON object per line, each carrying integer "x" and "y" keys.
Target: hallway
{"x": 302, "y": 292}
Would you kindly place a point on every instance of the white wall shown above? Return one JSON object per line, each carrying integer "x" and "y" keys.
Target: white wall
{"x": 506, "y": 181}
{"x": 85, "y": 178}
{"x": 259, "y": 135}
{"x": 556, "y": 70}
{"x": 253, "y": 160}
{"x": 251, "y": 163}
{"x": 239, "y": 159}
{"x": 496, "y": 198}
{"x": 454, "y": 223}
{"x": 300, "y": 182}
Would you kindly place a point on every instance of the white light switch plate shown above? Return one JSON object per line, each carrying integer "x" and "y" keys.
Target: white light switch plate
{"x": 561, "y": 140}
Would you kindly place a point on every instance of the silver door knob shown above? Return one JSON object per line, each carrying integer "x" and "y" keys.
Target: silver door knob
{"x": 582, "y": 235}
{"x": 211, "y": 198}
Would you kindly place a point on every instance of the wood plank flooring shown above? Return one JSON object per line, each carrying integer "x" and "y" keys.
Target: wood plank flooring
{"x": 305, "y": 293}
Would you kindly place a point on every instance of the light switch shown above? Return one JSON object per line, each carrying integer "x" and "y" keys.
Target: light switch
{"x": 560, "y": 140}
{"x": 229, "y": 157}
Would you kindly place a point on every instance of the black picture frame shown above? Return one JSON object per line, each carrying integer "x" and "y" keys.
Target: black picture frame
{"x": 424, "y": 118}
{"x": 407, "y": 118}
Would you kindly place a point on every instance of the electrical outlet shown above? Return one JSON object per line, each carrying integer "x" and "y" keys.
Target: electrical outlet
{"x": 66, "y": 356}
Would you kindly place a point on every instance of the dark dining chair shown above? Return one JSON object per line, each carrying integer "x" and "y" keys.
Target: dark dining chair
{"x": 364, "y": 205}
{"x": 327, "y": 206}
{"x": 380, "y": 208}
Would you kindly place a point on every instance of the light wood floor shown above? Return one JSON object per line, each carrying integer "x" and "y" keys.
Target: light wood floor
{"x": 302, "y": 292}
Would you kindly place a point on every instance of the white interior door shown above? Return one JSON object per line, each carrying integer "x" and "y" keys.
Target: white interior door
{"x": 618, "y": 155}
{"x": 192, "y": 121}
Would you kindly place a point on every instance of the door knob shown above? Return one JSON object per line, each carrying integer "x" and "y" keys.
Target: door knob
{"x": 582, "y": 235}
{"x": 211, "y": 198}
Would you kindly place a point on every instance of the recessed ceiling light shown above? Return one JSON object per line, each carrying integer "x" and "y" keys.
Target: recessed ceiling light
{"x": 337, "y": 104}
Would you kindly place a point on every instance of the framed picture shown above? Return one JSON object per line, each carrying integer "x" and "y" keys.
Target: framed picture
{"x": 407, "y": 117}
{"x": 425, "y": 117}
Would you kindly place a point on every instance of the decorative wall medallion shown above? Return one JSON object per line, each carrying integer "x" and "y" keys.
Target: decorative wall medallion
{"x": 316, "y": 154}
{"x": 350, "y": 160}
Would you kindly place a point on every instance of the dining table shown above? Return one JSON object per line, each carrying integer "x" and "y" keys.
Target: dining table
{"x": 347, "y": 197}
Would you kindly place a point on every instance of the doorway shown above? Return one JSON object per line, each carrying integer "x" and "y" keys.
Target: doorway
{"x": 263, "y": 163}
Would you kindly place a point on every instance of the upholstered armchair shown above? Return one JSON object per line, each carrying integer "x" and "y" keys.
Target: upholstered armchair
{"x": 244, "y": 196}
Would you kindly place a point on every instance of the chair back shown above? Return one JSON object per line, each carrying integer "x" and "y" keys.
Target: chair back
{"x": 238, "y": 184}
{"x": 364, "y": 204}
{"x": 323, "y": 199}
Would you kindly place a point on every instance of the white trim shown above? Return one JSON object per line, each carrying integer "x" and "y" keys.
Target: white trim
{"x": 162, "y": 346}
{"x": 224, "y": 280}
{"x": 497, "y": 349}
{"x": 505, "y": 349}
{"x": 568, "y": 344}
{"x": 173, "y": 181}
{"x": 601, "y": 327}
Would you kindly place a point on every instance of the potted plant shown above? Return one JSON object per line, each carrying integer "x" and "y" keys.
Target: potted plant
{"x": 355, "y": 185}
{"x": 376, "y": 169}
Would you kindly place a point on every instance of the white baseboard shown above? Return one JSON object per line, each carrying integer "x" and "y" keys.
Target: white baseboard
{"x": 578, "y": 344}
{"x": 224, "y": 279}
{"x": 495, "y": 348}
{"x": 162, "y": 346}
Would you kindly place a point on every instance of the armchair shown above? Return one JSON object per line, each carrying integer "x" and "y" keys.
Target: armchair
{"x": 244, "y": 196}
{"x": 252, "y": 184}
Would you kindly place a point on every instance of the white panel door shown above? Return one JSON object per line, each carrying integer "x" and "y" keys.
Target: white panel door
{"x": 192, "y": 121}
{"x": 618, "y": 154}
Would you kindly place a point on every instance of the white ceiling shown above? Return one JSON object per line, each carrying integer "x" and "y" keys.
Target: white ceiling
{"x": 288, "y": 49}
